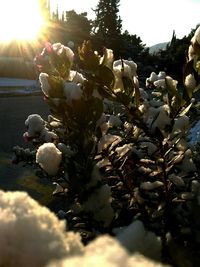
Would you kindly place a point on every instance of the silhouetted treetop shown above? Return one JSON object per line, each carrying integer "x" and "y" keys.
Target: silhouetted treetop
{"x": 107, "y": 22}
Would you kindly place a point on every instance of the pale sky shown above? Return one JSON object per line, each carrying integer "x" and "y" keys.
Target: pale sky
{"x": 152, "y": 20}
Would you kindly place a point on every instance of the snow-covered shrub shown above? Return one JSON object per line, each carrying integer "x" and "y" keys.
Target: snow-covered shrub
{"x": 75, "y": 106}
{"x": 124, "y": 148}
{"x": 98, "y": 204}
{"x": 76, "y": 77}
{"x": 191, "y": 78}
{"x": 135, "y": 238}
{"x": 60, "y": 49}
{"x": 35, "y": 124}
{"x": 122, "y": 69}
{"x": 107, "y": 58}
{"x": 72, "y": 91}
{"x": 155, "y": 79}
{"x": 36, "y": 129}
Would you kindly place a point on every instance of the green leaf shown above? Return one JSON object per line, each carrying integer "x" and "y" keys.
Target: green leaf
{"x": 57, "y": 111}
{"x": 123, "y": 98}
{"x": 89, "y": 59}
{"x": 128, "y": 85}
{"x": 196, "y": 64}
{"x": 137, "y": 92}
{"x": 86, "y": 113}
{"x": 56, "y": 86}
{"x": 106, "y": 93}
{"x": 106, "y": 77}
{"x": 182, "y": 256}
{"x": 175, "y": 103}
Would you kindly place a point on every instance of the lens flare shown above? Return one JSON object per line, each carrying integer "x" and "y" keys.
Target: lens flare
{"x": 20, "y": 20}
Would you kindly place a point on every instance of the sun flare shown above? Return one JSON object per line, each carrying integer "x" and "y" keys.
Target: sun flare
{"x": 20, "y": 20}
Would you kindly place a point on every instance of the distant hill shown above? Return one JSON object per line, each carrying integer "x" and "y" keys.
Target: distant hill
{"x": 155, "y": 48}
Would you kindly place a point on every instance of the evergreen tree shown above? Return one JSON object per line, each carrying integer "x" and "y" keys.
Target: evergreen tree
{"x": 107, "y": 25}
{"x": 174, "y": 57}
{"x": 55, "y": 15}
{"x": 77, "y": 26}
{"x": 132, "y": 46}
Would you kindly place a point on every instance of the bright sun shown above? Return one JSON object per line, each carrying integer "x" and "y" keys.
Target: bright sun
{"x": 20, "y": 20}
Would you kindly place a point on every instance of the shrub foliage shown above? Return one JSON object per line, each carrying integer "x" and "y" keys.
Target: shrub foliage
{"x": 117, "y": 152}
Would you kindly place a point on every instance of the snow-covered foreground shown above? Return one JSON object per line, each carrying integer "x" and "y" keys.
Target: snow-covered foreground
{"x": 44, "y": 240}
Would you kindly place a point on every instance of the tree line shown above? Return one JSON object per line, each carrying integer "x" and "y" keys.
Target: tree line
{"x": 104, "y": 31}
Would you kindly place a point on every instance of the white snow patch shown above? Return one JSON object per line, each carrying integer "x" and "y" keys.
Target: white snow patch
{"x": 12, "y": 86}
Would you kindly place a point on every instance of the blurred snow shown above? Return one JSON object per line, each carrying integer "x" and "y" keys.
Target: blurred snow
{"x": 194, "y": 134}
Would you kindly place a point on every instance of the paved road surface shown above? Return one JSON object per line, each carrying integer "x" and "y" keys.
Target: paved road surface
{"x": 13, "y": 113}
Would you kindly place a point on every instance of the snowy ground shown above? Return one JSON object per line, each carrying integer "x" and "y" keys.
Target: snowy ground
{"x": 12, "y": 86}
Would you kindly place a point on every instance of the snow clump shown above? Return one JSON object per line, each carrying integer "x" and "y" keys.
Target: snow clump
{"x": 31, "y": 235}
{"x": 108, "y": 252}
{"x": 49, "y": 158}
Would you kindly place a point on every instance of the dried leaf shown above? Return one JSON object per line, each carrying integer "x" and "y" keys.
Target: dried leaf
{"x": 151, "y": 185}
{"x": 176, "y": 180}
{"x": 186, "y": 110}
{"x": 59, "y": 189}
{"x": 187, "y": 196}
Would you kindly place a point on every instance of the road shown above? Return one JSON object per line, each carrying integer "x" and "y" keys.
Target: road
{"x": 13, "y": 113}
